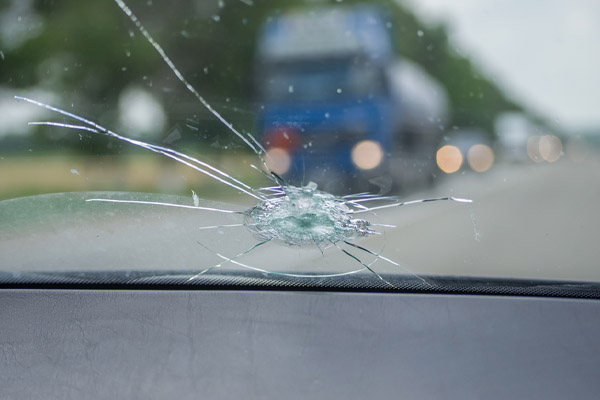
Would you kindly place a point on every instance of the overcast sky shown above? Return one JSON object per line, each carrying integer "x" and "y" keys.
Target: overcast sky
{"x": 545, "y": 53}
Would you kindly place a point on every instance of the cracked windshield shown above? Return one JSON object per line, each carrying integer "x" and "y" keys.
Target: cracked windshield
{"x": 311, "y": 139}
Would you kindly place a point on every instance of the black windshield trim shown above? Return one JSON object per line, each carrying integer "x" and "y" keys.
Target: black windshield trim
{"x": 180, "y": 280}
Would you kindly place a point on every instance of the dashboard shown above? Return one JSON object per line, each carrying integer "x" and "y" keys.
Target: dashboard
{"x": 273, "y": 343}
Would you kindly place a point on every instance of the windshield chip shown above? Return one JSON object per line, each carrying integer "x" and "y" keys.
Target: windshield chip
{"x": 300, "y": 216}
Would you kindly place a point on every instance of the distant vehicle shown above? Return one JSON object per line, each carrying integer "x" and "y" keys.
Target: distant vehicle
{"x": 513, "y": 130}
{"x": 467, "y": 149}
{"x": 339, "y": 108}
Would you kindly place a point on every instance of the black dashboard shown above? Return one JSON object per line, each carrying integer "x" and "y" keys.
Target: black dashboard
{"x": 59, "y": 343}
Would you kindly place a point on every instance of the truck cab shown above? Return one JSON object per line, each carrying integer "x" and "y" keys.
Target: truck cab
{"x": 330, "y": 107}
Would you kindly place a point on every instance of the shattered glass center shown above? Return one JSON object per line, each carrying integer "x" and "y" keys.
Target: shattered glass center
{"x": 305, "y": 216}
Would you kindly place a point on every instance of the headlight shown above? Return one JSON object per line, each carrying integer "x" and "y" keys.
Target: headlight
{"x": 480, "y": 157}
{"x": 367, "y": 154}
{"x": 278, "y": 160}
{"x": 449, "y": 159}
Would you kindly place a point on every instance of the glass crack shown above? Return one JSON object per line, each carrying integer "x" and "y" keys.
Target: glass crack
{"x": 289, "y": 215}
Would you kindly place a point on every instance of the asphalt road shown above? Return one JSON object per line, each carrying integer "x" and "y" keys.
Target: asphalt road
{"x": 539, "y": 221}
{"x": 535, "y": 220}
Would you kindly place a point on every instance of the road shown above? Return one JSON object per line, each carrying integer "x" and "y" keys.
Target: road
{"x": 537, "y": 220}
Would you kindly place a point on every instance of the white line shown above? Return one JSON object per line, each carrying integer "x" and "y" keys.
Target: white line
{"x": 157, "y": 203}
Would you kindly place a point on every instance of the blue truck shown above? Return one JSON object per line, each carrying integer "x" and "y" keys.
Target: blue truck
{"x": 339, "y": 108}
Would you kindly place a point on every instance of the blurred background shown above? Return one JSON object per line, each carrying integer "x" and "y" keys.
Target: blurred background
{"x": 387, "y": 96}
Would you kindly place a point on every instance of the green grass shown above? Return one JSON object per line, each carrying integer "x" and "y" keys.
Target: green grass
{"x": 27, "y": 175}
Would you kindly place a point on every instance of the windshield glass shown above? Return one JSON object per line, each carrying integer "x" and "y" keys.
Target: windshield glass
{"x": 301, "y": 137}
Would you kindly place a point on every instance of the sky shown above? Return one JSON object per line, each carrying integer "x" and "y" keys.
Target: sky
{"x": 544, "y": 53}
